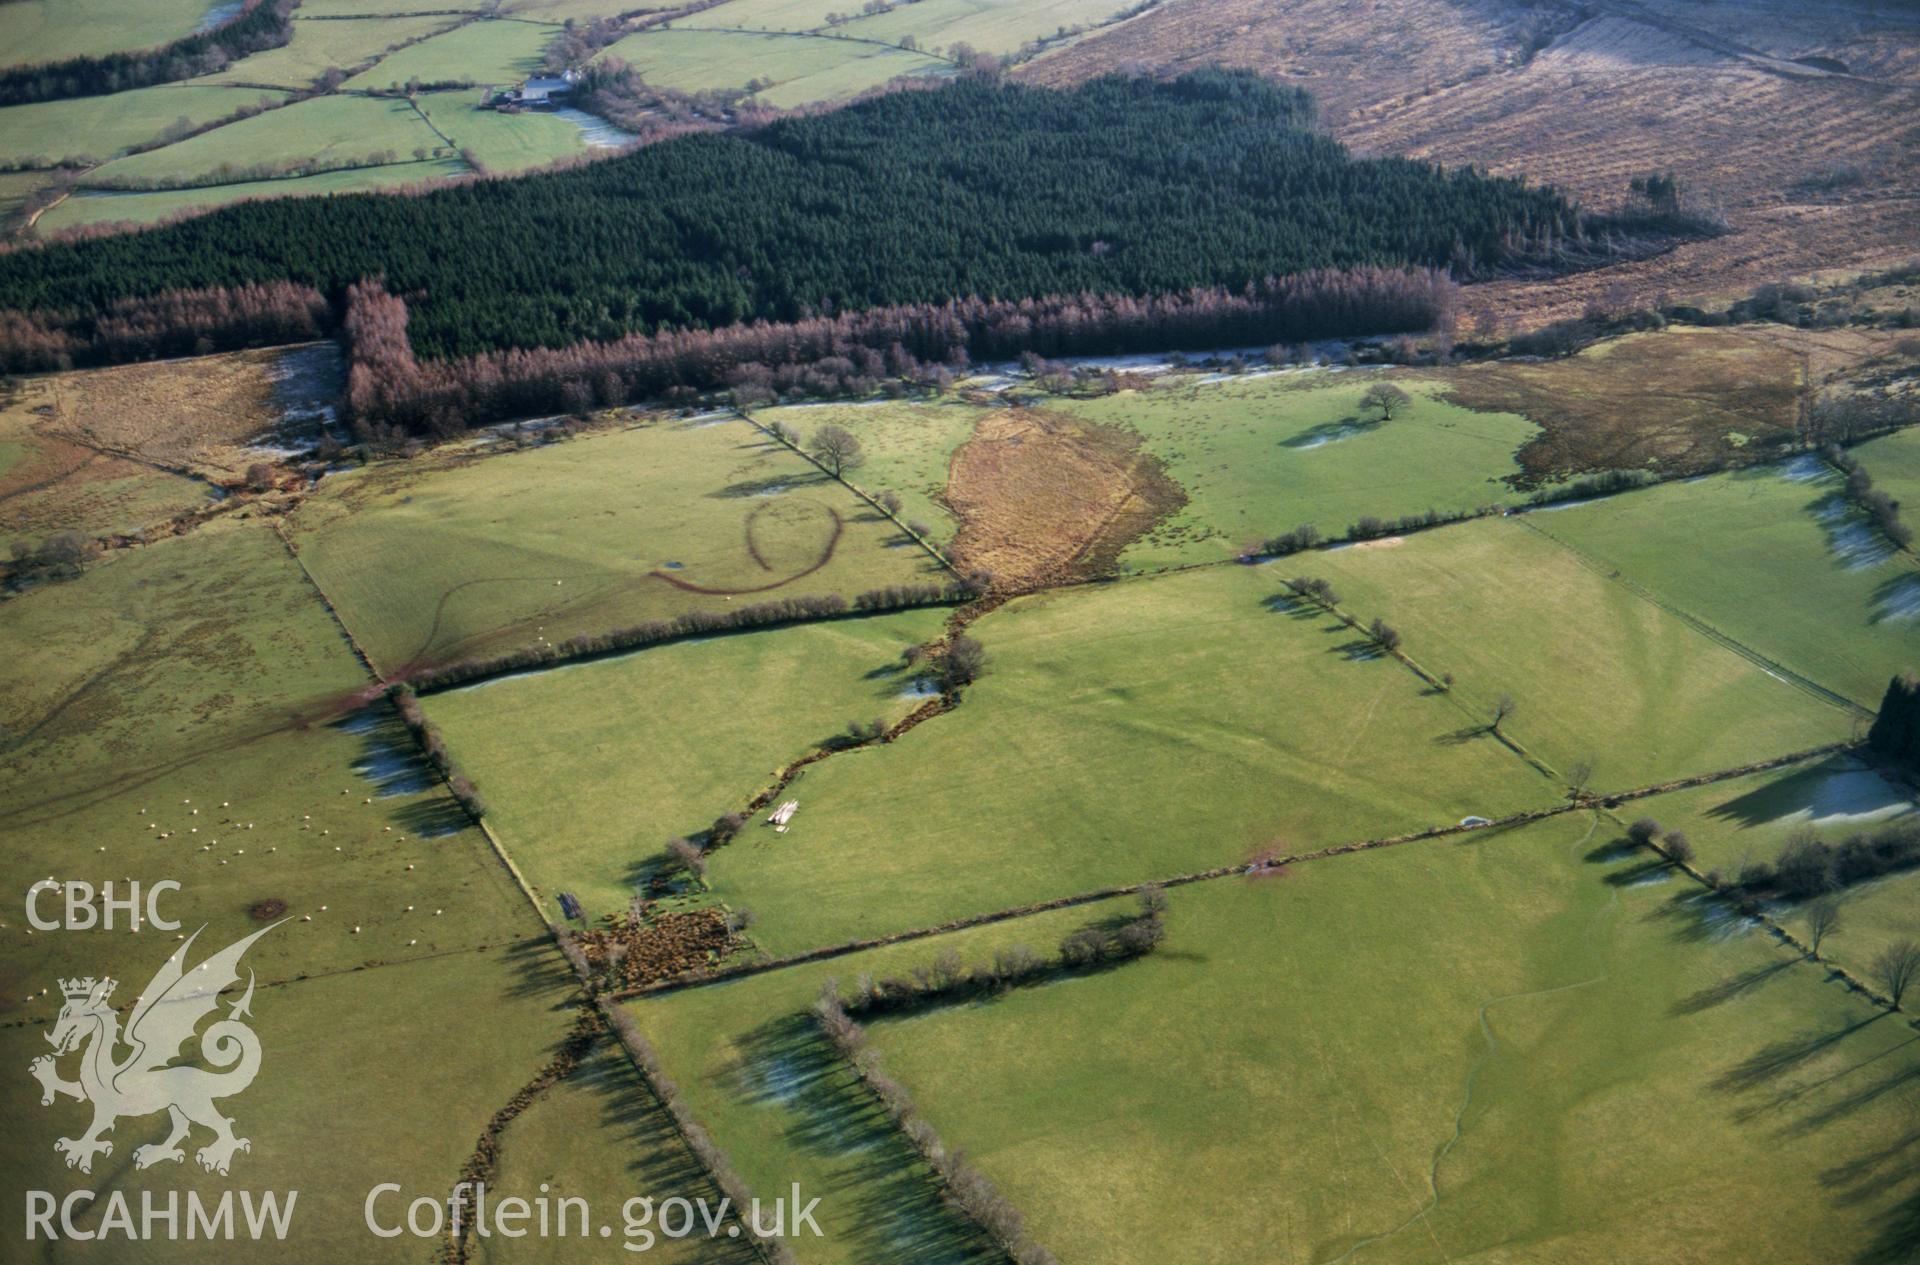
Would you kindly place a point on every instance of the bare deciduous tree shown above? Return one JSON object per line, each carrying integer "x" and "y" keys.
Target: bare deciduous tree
{"x": 683, "y": 854}
{"x": 1896, "y": 968}
{"x": 1502, "y": 708}
{"x": 1384, "y": 398}
{"x": 836, "y": 448}
{"x": 1823, "y": 919}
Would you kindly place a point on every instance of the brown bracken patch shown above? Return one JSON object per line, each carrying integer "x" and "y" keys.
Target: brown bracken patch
{"x": 267, "y": 910}
{"x": 660, "y": 946}
{"x": 1677, "y": 402}
{"x": 1044, "y": 498}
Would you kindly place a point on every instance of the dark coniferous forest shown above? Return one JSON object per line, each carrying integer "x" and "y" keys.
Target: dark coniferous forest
{"x": 1120, "y": 186}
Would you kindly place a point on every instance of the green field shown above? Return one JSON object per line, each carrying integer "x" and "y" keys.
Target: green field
{"x": 101, "y": 127}
{"x": 1768, "y": 557}
{"x": 1752, "y": 818}
{"x": 376, "y": 9}
{"x": 53, "y": 30}
{"x": 1053, "y": 777}
{"x": 598, "y": 1136}
{"x": 763, "y": 15}
{"x": 484, "y": 52}
{"x": 1468, "y": 1049}
{"x": 591, "y": 769}
{"x": 162, "y": 647}
{"x": 1894, "y": 463}
{"x": 1598, "y": 672}
{"x": 749, "y": 1065}
{"x": 990, "y": 26}
{"x": 906, "y": 447}
{"x": 106, "y": 207}
{"x": 501, "y": 553}
{"x": 333, "y": 1111}
{"x": 1479, "y": 1050}
{"x": 317, "y": 47}
{"x": 1261, "y": 456}
{"x": 502, "y": 142}
{"x": 802, "y": 68}
{"x": 329, "y": 129}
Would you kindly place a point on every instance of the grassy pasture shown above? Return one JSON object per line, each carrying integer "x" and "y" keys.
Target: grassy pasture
{"x": 590, "y": 769}
{"x": 749, "y": 1066}
{"x": 1052, "y": 777}
{"x": 106, "y": 207}
{"x": 803, "y": 68}
{"x": 599, "y": 1135}
{"x": 190, "y": 688}
{"x": 1894, "y": 463}
{"x": 1264, "y": 455}
{"x": 907, "y": 447}
{"x": 873, "y": 67}
{"x": 452, "y": 556}
{"x": 334, "y": 1109}
{"x": 1769, "y": 557}
{"x": 488, "y": 51}
{"x": 53, "y": 30}
{"x": 377, "y": 9}
{"x": 762, "y": 15}
{"x": 1598, "y": 672}
{"x": 503, "y": 142}
{"x": 317, "y": 47}
{"x": 991, "y": 26}
{"x": 326, "y": 129}
{"x": 210, "y": 635}
{"x": 1752, "y": 818}
{"x": 1471, "y": 1050}
{"x": 101, "y": 127}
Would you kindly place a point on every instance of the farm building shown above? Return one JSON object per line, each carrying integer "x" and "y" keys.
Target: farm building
{"x": 535, "y": 94}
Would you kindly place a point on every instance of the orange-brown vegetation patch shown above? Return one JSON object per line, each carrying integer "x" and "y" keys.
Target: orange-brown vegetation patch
{"x": 51, "y": 484}
{"x": 1678, "y": 401}
{"x": 191, "y": 415}
{"x": 660, "y": 946}
{"x": 1814, "y": 167}
{"x": 1043, "y": 498}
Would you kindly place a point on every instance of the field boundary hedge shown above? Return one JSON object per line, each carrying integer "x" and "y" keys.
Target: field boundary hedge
{"x": 722, "y": 974}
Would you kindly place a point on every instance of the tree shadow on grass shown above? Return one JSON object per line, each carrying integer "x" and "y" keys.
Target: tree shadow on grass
{"x": 1461, "y": 737}
{"x": 1288, "y": 604}
{"x": 1703, "y": 917}
{"x": 1780, "y": 1057}
{"x": 1875, "y": 1174}
{"x": 1729, "y": 988}
{"x": 901, "y": 1216}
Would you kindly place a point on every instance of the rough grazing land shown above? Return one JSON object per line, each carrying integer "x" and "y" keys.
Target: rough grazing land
{"x": 1044, "y": 496}
{"x": 1589, "y": 96}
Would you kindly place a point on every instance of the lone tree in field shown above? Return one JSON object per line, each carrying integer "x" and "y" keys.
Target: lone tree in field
{"x": 1823, "y": 919}
{"x": 963, "y": 662}
{"x": 683, "y": 854}
{"x": 1896, "y": 968}
{"x": 1579, "y": 775}
{"x": 836, "y": 448}
{"x": 1386, "y": 398}
{"x": 1502, "y": 708}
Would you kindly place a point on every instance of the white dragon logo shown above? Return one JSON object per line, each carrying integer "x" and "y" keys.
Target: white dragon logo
{"x": 162, "y": 1021}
